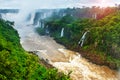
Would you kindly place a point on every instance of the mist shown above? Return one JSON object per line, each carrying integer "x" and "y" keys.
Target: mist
{"x": 52, "y": 4}
{"x": 27, "y": 6}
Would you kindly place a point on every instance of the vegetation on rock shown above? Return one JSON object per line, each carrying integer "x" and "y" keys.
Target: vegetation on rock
{"x": 102, "y": 42}
{"x": 16, "y": 63}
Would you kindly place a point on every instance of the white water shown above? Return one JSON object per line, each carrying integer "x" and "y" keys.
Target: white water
{"x": 32, "y": 18}
{"x": 62, "y": 32}
{"x": 94, "y": 16}
{"x": 40, "y": 24}
{"x": 46, "y": 30}
{"x": 82, "y": 69}
{"x": 43, "y": 25}
{"x": 63, "y": 59}
{"x": 81, "y": 42}
{"x": 9, "y": 16}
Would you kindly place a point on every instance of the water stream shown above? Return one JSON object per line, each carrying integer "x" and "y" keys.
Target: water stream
{"x": 62, "y": 32}
{"x": 81, "y": 42}
{"x": 61, "y": 58}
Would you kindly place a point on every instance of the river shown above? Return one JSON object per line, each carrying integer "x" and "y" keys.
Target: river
{"x": 61, "y": 58}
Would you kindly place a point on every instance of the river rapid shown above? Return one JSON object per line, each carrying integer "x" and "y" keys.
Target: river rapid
{"x": 61, "y": 58}
{"x": 57, "y": 55}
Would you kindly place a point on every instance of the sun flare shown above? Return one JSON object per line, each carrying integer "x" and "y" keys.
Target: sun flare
{"x": 105, "y": 3}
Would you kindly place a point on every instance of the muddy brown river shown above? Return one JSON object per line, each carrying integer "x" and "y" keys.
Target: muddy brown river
{"x": 61, "y": 58}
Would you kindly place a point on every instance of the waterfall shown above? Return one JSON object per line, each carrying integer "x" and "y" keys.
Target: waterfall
{"x": 40, "y": 23}
{"x": 32, "y": 18}
{"x": 65, "y": 60}
{"x": 43, "y": 25}
{"x": 62, "y": 32}
{"x": 81, "y": 42}
{"x": 47, "y": 31}
{"x": 94, "y": 16}
{"x": 8, "y": 16}
{"x": 44, "y": 15}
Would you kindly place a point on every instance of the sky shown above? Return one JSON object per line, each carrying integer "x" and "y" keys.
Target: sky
{"x": 43, "y": 4}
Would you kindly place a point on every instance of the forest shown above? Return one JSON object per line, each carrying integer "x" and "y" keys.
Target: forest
{"x": 102, "y": 41}
{"x": 16, "y": 63}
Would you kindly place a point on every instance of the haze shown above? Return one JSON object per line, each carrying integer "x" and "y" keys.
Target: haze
{"x": 47, "y": 4}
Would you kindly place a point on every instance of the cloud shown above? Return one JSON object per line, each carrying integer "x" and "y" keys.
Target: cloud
{"x": 36, "y": 3}
{"x": 51, "y": 3}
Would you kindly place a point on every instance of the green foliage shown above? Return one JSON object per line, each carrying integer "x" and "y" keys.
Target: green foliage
{"x": 40, "y": 31}
{"x": 107, "y": 35}
{"x": 17, "y": 64}
{"x": 103, "y": 36}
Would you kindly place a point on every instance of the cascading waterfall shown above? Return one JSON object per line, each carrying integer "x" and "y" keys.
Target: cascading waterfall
{"x": 32, "y": 18}
{"x": 62, "y": 32}
{"x": 44, "y": 15}
{"x": 94, "y": 16}
{"x": 8, "y": 16}
{"x": 38, "y": 24}
{"x": 64, "y": 60}
{"x": 46, "y": 30}
{"x": 39, "y": 18}
{"x": 81, "y": 42}
{"x": 43, "y": 25}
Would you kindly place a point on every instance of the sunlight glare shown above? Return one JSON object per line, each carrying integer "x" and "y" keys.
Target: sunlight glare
{"x": 103, "y": 3}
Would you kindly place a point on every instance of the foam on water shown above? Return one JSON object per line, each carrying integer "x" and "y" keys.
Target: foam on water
{"x": 82, "y": 69}
{"x": 64, "y": 60}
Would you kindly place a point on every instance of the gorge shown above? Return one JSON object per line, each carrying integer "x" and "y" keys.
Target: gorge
{"x": 54, "y": 53}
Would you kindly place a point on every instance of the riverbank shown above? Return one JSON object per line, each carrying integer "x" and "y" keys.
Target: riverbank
{"x": 64, "y": 60}
{"x": 98, "y": 39}
{"x": 98, "y": 58}
{"x": 80, "y": 68}
{"x": 16, "y": 63}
